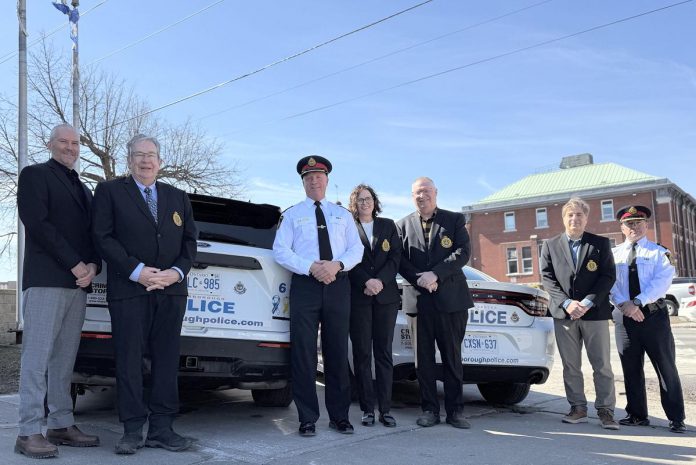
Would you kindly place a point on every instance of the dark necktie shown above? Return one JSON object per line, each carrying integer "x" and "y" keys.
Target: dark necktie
{"x": 324, "y": 243}
{"x": 633, "y": 281}
{"x": 572, "y": 244}
{"x": 151, "y": 202}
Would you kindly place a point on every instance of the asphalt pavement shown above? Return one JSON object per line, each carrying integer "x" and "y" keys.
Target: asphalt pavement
{"x": 230, "y": 429}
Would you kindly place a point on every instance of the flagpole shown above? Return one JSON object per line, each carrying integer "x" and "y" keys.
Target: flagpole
{"x": 21, "y": 141}
{"x": 76, "y": 84}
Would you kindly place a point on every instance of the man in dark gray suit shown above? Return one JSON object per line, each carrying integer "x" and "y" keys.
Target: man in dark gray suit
{"x": 436, "y": 247}
{"x": 577, "y": 269}
{"x": 59, "y": 264}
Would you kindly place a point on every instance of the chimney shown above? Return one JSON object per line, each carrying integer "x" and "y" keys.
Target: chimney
{"x": 573, "y": 161}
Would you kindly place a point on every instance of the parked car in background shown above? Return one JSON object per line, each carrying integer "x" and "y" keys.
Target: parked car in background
{"x": 509, "y": 343}
{"x": 681, "y": 287}
{"x": 687, "y": 308}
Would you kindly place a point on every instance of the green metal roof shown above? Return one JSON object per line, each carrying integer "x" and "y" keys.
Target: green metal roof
{"x": 568, "y": 180}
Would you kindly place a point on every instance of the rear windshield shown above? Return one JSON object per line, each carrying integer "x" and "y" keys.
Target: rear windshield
{"x": 233, "y": 221}
{"x": 473, "y": 274}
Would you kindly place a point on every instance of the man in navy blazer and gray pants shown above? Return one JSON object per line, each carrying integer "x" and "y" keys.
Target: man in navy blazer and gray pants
{"x": 577, "y": 269}
{"x": 59, "y": 264}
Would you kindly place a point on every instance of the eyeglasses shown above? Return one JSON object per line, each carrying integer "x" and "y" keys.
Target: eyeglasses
{"x": 146, "y": 155}
{"x": 365, "y": 200}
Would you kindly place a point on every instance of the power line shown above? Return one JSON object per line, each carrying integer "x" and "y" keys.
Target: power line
{"x": 270, "y": 65}
{"x": 10, "y": 55}
{"x": 372, "y": 60}
{"x": 152, "y": 34}
{"x": 485, "y": 60}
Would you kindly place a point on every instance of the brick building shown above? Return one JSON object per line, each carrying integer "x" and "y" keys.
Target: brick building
{"x": 508, "y": 227}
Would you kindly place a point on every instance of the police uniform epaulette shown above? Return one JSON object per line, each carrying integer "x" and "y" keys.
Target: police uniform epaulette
{"x": 339, "y": 205}
{"x": 668, "y": 254}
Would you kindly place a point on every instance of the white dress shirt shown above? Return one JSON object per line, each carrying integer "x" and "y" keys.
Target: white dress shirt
{"x": 296, "y": 244}
{"x": 655, "y": 272}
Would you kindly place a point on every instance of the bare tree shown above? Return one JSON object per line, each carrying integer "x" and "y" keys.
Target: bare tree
{"x": 110, "y": 114}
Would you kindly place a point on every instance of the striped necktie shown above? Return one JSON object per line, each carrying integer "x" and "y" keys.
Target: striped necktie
{"x": 151, "y": 202}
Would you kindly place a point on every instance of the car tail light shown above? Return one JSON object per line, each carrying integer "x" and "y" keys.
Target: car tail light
{"x": 691, "y": 304}
{"x": 692, "y": 289}
{"x": 531, "y": 305}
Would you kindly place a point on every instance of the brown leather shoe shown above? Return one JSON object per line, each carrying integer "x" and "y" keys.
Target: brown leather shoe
{"x": 71, "y": 436}
{"x": 35, "y": 446}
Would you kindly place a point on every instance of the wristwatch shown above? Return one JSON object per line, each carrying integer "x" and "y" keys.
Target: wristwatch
{"x": 341, "y": 266}
{"x": 637, "y": 302}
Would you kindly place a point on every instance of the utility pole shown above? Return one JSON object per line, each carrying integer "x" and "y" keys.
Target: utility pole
{"x": 21, "y": 139}
{"x": 76, "y": 84}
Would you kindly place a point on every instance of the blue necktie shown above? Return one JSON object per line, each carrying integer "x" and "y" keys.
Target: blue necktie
{"x": 151, "y": 202}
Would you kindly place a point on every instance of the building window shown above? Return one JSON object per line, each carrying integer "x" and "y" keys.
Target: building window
{"x": 527, "y": 260}
{"x": 540, "y": 246}
{"x": 607, "y": 210}
{"x": 542, "y": 220}
{"x": 511, "y": 260}
{"x": 509, "y": 221}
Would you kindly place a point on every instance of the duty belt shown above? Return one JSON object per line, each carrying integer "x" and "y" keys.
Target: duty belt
{"x": 656, "y": 306}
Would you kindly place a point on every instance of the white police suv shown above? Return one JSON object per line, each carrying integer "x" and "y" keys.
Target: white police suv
{"x": 236, "y": 330}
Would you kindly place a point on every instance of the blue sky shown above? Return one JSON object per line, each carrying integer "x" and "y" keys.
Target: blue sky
{"x": 625, "y": 93}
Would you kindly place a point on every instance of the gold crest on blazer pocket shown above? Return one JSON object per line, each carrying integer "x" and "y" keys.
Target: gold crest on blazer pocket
{"x": 592, "y": 265}
{"x": 177, "y": 219}
{"x": 386, "y": 246}
{"x": 446, "y": 242}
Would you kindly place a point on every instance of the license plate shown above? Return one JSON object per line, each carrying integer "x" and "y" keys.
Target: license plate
{"x": 203, "y": 283}
{"x": 480, "y": 343}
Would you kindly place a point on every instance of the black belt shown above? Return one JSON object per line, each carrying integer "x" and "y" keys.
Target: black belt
{"x": 656, "y": 306}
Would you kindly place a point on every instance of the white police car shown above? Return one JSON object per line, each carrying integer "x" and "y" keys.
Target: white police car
{"x": 509, "y": 342}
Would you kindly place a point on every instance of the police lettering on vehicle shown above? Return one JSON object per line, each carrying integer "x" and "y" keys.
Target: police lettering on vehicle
{"x": 210, "y": 306}
{"x": 492, "y": 317}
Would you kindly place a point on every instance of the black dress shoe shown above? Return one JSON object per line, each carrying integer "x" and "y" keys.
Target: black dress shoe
{"x": 368, "y": 419}
{"x": 342, "y": 426}
{"x": 129, "y": 443}
{"x": 387, "y": 420}
{"x": 428, "y": 418}
{"x": 677, "y": 427}
{"x": 168, "y": 440}
{"x": 307, "y": 429}
{"x": 632, "y": 420}
{"x": 456, "y": 420}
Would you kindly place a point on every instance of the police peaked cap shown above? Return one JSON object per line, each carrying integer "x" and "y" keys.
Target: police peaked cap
{"x": 313, "y": 163}
{"x": 633, "y": 213}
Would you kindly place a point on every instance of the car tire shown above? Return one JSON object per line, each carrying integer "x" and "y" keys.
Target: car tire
{"x": 672, "y": 308}
{"x": 504, "y": 393}
{"x": 273, "y": 397}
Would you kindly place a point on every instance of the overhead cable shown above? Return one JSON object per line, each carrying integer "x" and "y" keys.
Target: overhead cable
{"x": 270, "y": 65}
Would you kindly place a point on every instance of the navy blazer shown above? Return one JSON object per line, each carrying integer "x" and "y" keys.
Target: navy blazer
{"x": 592, "y": 279}
{"x": 126, "y": 234}
{"x": 448, "y": 251}
{"x": 380, "y": 260}
{"x": 57, "y": 226}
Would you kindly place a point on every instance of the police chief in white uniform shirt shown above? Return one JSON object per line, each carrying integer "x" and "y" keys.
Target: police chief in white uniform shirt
{"x": 318, "y": 241}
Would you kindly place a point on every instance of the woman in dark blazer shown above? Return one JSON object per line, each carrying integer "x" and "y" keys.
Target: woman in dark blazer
{"x": 374, "y": 304}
